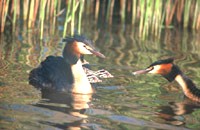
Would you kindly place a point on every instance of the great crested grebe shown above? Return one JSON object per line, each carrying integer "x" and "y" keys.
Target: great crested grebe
{"x": 171, "y": 72}
{"x": 65, "y": 73}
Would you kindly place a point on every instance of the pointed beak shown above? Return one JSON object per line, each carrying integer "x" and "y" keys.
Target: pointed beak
{"x": 142, "y": 71}
{"x": 97, "y": 53}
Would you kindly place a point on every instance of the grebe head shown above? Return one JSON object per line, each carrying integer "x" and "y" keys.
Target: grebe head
{"x": 171, "y": 72}
{"x": 164, "y": 67}
{"x": 76, "y": 46}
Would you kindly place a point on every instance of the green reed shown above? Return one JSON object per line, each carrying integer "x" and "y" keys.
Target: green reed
{"x": 134, "y": 11}
{"x": 123, "y": 10}
{"x": 147, "y": 16}
{"x": 196, "y": 18}
{"x": 70, "y": 15}
{"x": 42, "y": 16}
{"x": 186, "y": 13}
{"x": 158, "y": 18}
{"x": 42, "y": 11}
{"x": 80, "y": 15}
{"x": 54, "y": 11}
{"x": 142, "y": 14}
{"x": 108, "y": 12}
{"x": 73, "y": 16}
{"x": 150, "y": 17}
{"x": 15, "y": 13}
{"x": 31, "y": 13}
{"x": 67, "y": 18}
{"x": 48, "y": 9}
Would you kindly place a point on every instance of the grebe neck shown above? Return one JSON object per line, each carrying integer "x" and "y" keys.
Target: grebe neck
{"x": 189, "y": 88}
{"x": 81, "y": 83}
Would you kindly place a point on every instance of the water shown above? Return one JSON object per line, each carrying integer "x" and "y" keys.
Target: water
{"x": 123, "y": 102}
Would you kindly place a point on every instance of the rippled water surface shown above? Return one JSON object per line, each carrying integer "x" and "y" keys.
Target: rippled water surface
{"x": 122, "y": 102}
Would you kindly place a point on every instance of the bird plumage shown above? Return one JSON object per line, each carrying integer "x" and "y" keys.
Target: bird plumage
{"x": 171, "y": 72}
{"x": 65, "y": 73}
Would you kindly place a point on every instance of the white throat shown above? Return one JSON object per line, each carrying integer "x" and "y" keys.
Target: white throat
{"x": 81, "y": 83}
{"x": 181, "y": 82}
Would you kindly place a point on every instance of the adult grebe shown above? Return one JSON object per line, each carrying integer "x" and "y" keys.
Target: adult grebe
{"x": 65, "y": 73}
{"x": 171, "y": 72}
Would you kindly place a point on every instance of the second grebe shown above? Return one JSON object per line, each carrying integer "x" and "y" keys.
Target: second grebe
{"x": 65, "y": 73}
{"x": 171, "y": 72}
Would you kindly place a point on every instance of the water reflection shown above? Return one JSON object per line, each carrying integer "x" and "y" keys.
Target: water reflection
{"x": 174, "y": 112}
{"x": 69, "y": 103}
{"x": 125, "y": 53}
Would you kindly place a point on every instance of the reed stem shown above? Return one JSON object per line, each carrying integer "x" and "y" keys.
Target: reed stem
{"x": 97, "y": 6}
{"x": 80, "y": 15}
{"x": 32, "y": 5}
{"x": 4, "y": 13}
{"x": 42, "y": 16}
{"x": 14, "y": 14}
{"x": 67, "y": 18}
{"x": 134, "y": 9}
{"x": 147, "y": 15}
{"x": 141, "y": 17}
{"x": 25, "y": 9}
{"x": 123, "y": 10}
{"x": 54, "y": 15}
{"x": 186, "y": 13}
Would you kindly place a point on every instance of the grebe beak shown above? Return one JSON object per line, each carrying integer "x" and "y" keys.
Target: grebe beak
{"x": 97, "y": 53}
{"x": 142, "y": 71}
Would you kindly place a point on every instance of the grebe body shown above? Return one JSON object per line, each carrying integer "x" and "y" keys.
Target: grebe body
{"x": 65, "y": 73}
{"x": 171, "y": 72}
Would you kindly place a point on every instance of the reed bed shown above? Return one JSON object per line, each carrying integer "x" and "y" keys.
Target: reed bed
{"x": 146, "y": 16}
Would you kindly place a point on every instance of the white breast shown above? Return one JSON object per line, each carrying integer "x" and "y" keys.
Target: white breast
{"x": 81, "y": 83}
